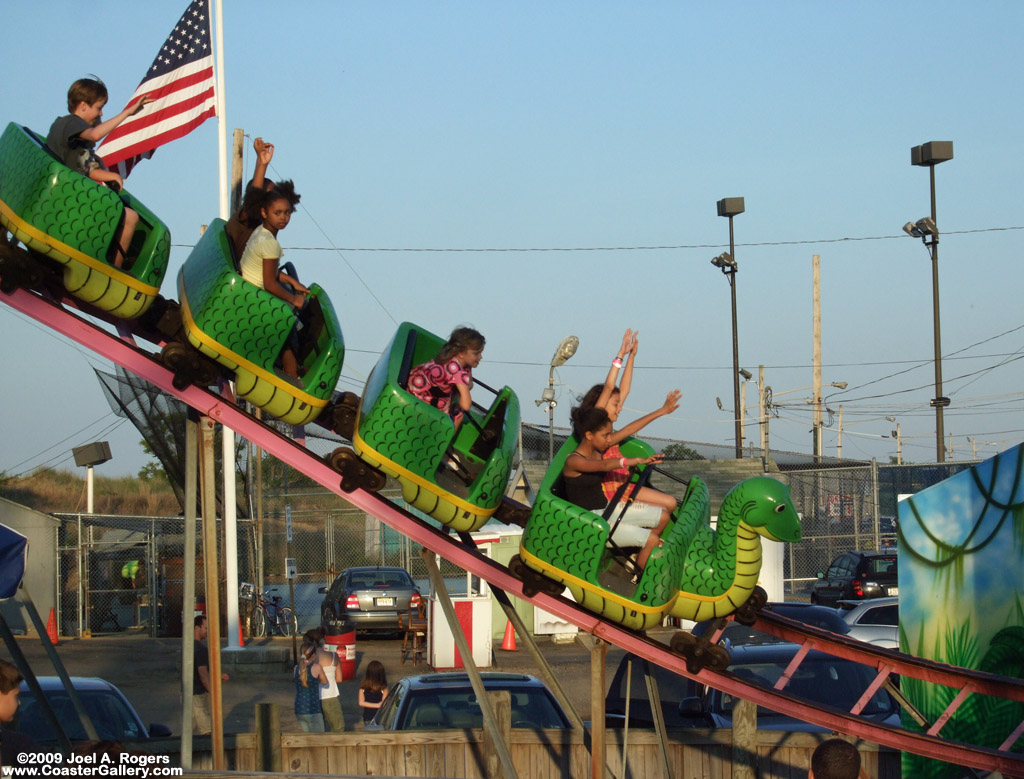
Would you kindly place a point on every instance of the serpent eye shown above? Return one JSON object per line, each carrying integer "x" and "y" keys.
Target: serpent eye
{"x": 780, "y": 508}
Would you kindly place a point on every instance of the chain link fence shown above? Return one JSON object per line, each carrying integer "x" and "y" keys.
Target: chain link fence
{"x": 121, "y": 573}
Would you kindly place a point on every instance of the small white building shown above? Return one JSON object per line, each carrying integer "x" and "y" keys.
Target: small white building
{"x": 41, "y": 570}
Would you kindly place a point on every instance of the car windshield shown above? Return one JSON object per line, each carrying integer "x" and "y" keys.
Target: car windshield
{"x": 824, "y": 680}
{"x": 109, "y": 714}
{"x": 459, "y": 708}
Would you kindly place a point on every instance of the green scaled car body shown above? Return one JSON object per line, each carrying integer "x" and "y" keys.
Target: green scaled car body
{"x": 245, "y": 328}
{"x": 568, "y": 544}
{"x": 74, "y": 221}
{"x": 410, "y": 439}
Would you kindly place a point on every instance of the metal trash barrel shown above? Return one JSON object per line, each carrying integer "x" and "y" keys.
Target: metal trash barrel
{"x": 341, "y": 636}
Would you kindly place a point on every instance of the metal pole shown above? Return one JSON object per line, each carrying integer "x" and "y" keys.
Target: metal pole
{"x": 939, "y": 425}
{"x": 839, "y": 445}
{"x": 188, "y": 599}
{"x": 735, "y": 349}
{"x": 551, "y": 416}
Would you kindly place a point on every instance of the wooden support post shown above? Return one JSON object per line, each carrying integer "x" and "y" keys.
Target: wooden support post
{"x": 744, "y": 740}
{"x": 268, "y": 738}
{"x": 543, "y": 667}
{"x": 598, "y": 657}
{"x": 490, "y": 721}
{"x": 188, "y": 599}
{"x": 501, "y": 703}
{"x": 210, "y": 568}
{"x": 237, "y": 139}
{"x": 654, "y": 697}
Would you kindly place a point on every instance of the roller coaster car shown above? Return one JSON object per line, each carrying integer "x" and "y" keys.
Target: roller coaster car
{"x": 414, "y": 441}
{"x": 61, "y": 215}
{"x": 569, "y": 545}
{"x": 245, "y": 328}
{"x": 722, "y": 566}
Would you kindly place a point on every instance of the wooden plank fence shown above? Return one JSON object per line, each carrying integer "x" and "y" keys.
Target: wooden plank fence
{"x": 693, "y": 754}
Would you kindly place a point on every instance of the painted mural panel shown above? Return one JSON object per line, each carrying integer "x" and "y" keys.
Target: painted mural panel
{"x": 961, "y": 567}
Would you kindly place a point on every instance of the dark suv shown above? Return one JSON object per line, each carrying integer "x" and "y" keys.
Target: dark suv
{"x": 857, "y": 576}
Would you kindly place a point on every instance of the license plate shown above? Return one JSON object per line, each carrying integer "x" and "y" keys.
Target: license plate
{"x": 384, "y": 601}
{"x": 893, "y": 590}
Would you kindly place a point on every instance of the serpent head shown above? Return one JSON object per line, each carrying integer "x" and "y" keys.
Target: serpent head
{"x": 764, "y": 505}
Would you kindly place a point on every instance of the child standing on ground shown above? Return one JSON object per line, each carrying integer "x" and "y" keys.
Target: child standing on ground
{"x": 611, "y": 399}
{"x": 374, "y": 690}
{"x": 327, "y": 671}
{"x": 307, "y": 692}
{"x": 73, "y": 137}
{"x": 436, "y": 382}
{"x": 641, "y": 525}
{"x": 260, "y": 263}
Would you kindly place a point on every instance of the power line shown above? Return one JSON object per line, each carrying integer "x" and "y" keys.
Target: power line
{"x": 675, "y": 247}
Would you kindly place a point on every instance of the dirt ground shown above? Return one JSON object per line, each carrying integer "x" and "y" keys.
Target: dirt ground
{"x": 148, "y": 672}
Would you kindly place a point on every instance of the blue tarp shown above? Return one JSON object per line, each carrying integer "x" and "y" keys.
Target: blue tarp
{"x": 13, "y": 554}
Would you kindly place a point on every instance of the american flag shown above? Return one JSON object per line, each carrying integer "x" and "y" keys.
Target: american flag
{"x": 181, "y": 84}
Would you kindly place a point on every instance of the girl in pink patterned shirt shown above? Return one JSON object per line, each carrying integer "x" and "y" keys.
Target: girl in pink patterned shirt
{"x": 436, "y": 382}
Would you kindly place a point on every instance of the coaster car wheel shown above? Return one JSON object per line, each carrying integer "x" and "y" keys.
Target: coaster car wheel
{"x": 699, "y": 652}
{"x": 343, "y": 415}
{"x": 355, "y": 473}
{"x": 533, "y": 582}
{"x": 512, "y": 512}
{"x": 747, "y": 613}
{"x": 18, "y": 271}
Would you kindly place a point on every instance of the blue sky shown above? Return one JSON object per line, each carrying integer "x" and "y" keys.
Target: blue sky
{"x": 581, "y": 128}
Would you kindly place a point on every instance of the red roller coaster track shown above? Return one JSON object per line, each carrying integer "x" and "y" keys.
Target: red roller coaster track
{"x": 886, "y": 663}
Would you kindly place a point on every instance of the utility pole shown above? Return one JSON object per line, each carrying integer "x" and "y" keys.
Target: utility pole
{"x": 816, "y": 359}
{"x": 839, "y": 444}
{"x": 763, "y": 412}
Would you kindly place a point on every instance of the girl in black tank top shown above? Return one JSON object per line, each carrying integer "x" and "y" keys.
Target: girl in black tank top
{"x": 584, "y": 468}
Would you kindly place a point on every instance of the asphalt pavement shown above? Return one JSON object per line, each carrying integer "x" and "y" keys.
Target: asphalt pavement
{"x": 148, "y": 672}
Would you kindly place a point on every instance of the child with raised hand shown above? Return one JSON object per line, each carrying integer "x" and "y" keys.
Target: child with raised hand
{"x": 260, "y": 263}
{"x": 244, "y": 222}
{"x": 307, "y": 691}
{"x": 611, "y": 399}
{"x": 73, "y": 138}
{"x": 584, "y": 469}
{"x": 373, "y": 690}
{"x": 450, "y": 373}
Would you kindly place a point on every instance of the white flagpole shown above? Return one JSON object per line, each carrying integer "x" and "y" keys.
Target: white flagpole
{"x": 227, "y": 434}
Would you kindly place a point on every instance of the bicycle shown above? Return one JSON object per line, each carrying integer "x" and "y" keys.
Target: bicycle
{"x": 268, "y": 613}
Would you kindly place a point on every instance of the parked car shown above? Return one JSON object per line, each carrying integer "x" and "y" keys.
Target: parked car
{"x": 820, "y": 678}
{"x": 876, "y": 621}
{"x": 736, "y": 634}
{"x": 111, "y": 713}
{"x": 686, "y": 703}
{"x": 447, "y": 700}
{"x": 857, "y": 576}
{"x": 370, "y": 598}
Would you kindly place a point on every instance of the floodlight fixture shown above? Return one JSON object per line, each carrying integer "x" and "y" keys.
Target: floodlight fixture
{"x": 566, "y": 349}
{"x": 746, "y": 374}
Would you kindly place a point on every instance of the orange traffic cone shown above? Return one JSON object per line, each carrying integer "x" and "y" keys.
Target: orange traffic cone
{"x": 51, "y": 627}
{"x": 509, "y": 642}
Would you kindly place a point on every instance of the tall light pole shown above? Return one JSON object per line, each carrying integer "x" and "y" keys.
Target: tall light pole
{"x": 730, "y": 207}
{"x": 898, "y": 435}
{"x": 929, "y": 155}
{"x": 566, "y": 349}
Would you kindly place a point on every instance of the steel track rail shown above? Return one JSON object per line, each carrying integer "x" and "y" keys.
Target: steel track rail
{"x": 142, "y": 363}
